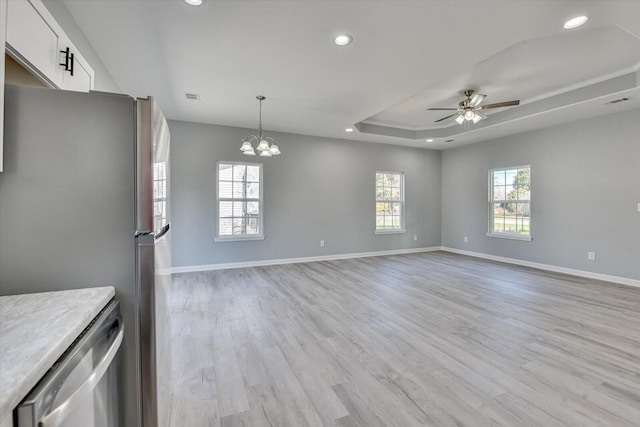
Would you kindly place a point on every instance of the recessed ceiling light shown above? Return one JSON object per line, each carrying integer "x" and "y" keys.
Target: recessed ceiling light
{"x": 430, "y": 140}
{"x": 348, "y": 130}
{"x": 575, "y": 22}
{"x": 194, "y": 2}
{"x": 343, "y": 39}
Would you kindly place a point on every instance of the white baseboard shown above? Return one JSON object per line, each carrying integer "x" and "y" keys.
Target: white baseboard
{"x": 280, "y": 261}
{"x": 548, "y": 267}
{"x": 261, "y": 263}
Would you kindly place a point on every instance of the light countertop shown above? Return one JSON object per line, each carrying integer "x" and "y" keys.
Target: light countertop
{"x": 35, "y": 330}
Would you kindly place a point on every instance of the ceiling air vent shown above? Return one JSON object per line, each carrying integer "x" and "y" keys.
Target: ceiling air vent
{"x": 192, "y": 96}
{"x": 615, "y": 101}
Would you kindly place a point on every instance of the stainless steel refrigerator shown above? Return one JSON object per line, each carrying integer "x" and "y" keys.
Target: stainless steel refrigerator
{"x": 84, "y": 202}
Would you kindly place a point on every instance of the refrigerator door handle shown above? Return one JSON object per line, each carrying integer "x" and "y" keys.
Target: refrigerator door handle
{"x": 164, "y": 230}
{"x": 156, "y": 234}
{"x": 55, "y": 417}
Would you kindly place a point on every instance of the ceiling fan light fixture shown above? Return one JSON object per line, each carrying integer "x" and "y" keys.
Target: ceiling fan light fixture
{"x": 575, "y": 22}
{"x": 469, "y": 109}
{"x": 469, "y": 114}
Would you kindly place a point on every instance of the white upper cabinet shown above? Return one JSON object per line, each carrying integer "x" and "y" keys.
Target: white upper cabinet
{"x": 40, "y": 45}
{"x": 31, "y": 40}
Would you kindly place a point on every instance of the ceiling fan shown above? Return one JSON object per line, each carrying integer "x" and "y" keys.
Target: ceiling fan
{"x": 469, "y": 108}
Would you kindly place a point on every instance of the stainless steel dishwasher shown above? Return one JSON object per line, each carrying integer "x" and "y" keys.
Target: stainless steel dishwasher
{"x": 81, "y": 388}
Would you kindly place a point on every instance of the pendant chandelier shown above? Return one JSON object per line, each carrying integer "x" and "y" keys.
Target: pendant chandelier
{"x": 266, "y": 146}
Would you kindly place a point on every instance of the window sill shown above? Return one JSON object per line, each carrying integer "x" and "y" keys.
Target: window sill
{"x": 237, "y": 238}
{"x": 398, "y": 231}
{"x": 511, "y": 236}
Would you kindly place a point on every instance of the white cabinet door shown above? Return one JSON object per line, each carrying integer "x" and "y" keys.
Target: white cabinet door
{"x": 32, "y": 41}
{"x": 38, "y": 43}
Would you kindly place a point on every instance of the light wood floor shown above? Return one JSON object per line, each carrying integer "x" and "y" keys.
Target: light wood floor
{"x": 423, "y": 339}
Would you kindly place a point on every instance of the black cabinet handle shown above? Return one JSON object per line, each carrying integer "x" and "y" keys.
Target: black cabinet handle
{"x": 68, "y": 60}
{"x": 65, "y": 64}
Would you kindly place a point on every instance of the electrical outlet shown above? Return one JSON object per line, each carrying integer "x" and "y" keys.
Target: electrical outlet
{"x": 415, "y": 237}
{"x": 466, "y": 239}
{"x": 591, "y": 256}
{"x": 322, "y": 243}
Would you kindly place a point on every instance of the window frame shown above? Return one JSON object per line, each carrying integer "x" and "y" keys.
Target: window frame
{"x": 402, "y": 228}
{"x": 239, "y": 237}
{"x": 160, "y": 194}
{"x": 491, "y": 201}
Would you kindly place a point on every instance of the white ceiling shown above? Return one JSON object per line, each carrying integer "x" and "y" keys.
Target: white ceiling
{"x": 406, "y": 56}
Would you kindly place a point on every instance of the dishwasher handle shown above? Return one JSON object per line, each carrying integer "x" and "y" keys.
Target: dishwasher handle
{"x": 64, "y": 387}
{"x": 55, "y": 417}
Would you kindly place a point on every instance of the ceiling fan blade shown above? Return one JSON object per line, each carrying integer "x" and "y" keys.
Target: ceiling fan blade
{"x": 476, "y": 99}
{"x": 501, "y": 104}
{"x": 443, "y": 109}
{"x": 445, "y": 118}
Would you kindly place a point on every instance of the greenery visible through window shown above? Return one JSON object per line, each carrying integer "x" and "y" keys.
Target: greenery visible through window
{"x": 389, "y": 201}
{"x": 510, "y": 201}
{"x": 239, "y": 200}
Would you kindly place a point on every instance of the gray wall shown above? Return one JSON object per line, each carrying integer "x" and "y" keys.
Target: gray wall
{"x": 104, "y": 82}
{"x": 585, "y": 188}
{"x": 318, "y": 188}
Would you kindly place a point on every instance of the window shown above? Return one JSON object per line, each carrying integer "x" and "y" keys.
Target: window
{"x": 510, "y": 203}
{"x": 239, "y": 201}
{"x": 389, "y": 202}
{"x": 159, "y": 195}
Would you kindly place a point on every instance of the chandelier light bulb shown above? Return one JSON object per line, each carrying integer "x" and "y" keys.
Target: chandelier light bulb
{"x": 246, "y": 146}
{"x": 249, "y": 152}
{"x": 265, "y": 153}
{"x": 263, "y": 146}
{"x": 274, "y": 150}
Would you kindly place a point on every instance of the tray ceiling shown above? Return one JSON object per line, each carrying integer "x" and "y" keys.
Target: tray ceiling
{"x": 406, "y": 56}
